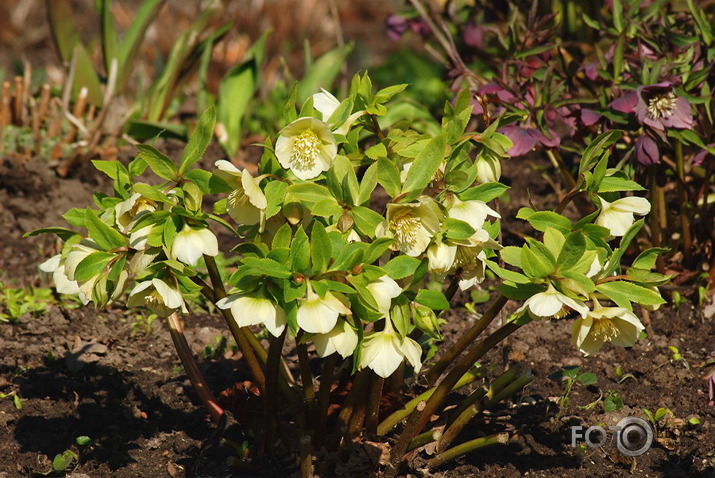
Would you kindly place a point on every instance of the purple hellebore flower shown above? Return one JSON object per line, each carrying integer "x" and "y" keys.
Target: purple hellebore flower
{"x": 656, "y": 106}
{"x": 473, "y": 35}
{"x": 589, "y": 117}
{"x": 699, "y": 158}
{"x": 526, "y": 139}
{"x": 647, "y": 152}
{"x": 396, "y": 26}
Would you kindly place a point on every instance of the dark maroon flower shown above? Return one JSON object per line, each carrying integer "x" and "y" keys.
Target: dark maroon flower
{"x": 626, "y": 103}
{"x": 420, "y": 27}
{"x": 659, "y": 107}
{"x": 526, "y": 139}
{"x": 700, "y": 157}
{"x": 647, "y": 152}
{"x": 473, "y": 35}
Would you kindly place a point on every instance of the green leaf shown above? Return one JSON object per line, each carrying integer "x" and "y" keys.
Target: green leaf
{"x": 342, "y": 177}
{"x": 506, "y": 274}
{"x": 109, "y": 35}
{"x": 614, "y": 263}
{"x": 511, "y": 255}
{"x": 457, "y": 230}
{"x": 540, "y": 220}
{"x": 366, "y": 220}
{"x": 236, "y": 90}
{"x": 401, "y": 267}
{"x": 142, "y": 130}
{"x": 320, "y": 248}
{"x": 282, "y": 237}
{"x": 322, "y": 72}
{"x": 572, "y": 251}
{"x": 616, "y": 183}
{"x": 157, "y": 161}
{"x": 537, "y": 261}
{"x": 433, "y": 299}
{"x": 133, "y": 37}
{"x": 93, "y": 265}
{"x": 376, "y": 249}
{"x": 587, "y": 378}
{"x": 275, "y": 192}
{"x": 85, "y": 76}
{"x": 269, "y": 267}
{"x": 105, "y": 237}
{"x": 646, "y": 259}
{"x": 326, "y": 208}
{"x": 623, "y": 293}
{"x": 367, "y": 185}
{"x": 484, "y": 192}
{"x": 62, "y": 233}
{"x": 199, "y": 140}
{"x": 62, "y": 25}
{"x": 388, "y": 176}
{"x": 300, "y": 252}
{"x": 75, "y": 216}
{"x": 307, "y": 193}
{"x": 426, "y": 164}
{"x": 646, "y": 277}
{"x": 596, "y": 148}
{"x": 63, "y": 460}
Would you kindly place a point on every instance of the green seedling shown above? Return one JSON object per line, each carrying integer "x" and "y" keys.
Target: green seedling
{"x": 16, "y": 302}
{"x": 16, "y": 401}
{"x": 65, "y": 460}
{"x": 571, "y": 376}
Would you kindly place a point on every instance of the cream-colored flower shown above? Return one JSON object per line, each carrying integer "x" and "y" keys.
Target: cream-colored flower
{"x": 605, "y": 324}
{"x": 319, "y": 316}
{"x": 441, "y": 257}
{"x": 56, "y": 266}
{"x": 472, "y": 212}
{"x": 412, "y": 225}
{"x": 551, "y": 304}
{"x": 617, "y": 216}
{"x": 384, "y": 290}
{"x": 488, "y": 169}
{"x": 79, "y": 253}
{"x": 342, "y": 339}
{"x": 307, "y": 147}
{"x": 472, "y": 259}
{"x": 384, "y": 351}
{"x": 128, "y": 211}
{"x": 246, "y": 204}
{"x": 326, "y": 104}
{"x": 253, "y": 310}
{"x": 190, "y": 244}
{"x": 158, "y": 296}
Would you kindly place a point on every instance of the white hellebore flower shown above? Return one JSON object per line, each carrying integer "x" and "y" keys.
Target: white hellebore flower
{"x": 342, "y": 339}
{"x": 617, "y": 216}
{"x": 441, "y": 257}
{"x": 190, "y": 244}
{"x": 126, "y": 214}
{"x": 384, "y": 290}
{"x": 63, "y": 284}
{"x": 605, "y": 324}
{"x": 319, "y": 316}
{"x": 246, "y": 204}
{"x": 307, "y": 147}
{"x": 488, "y": 169}
{"x": 158, "y": 296}
{"x": 550, "y": 303}
{"x": 412, "y": 225}
{"x": 79, "y": 253}
{"x": 472, "y": 212}
{"x": 326, "y": 104}
{"x": 253, "y": 310}
{"x": 384, "y": 351}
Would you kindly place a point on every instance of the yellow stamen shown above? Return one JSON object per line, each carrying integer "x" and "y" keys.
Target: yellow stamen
{"x": 305, "y": 150}
{"x": 405, "y": 225}
{"x": 604, "y": 330}
{"x": 662, "y": 105}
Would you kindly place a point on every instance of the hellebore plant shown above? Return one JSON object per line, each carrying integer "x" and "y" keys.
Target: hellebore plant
{"x": 321, "y": 264}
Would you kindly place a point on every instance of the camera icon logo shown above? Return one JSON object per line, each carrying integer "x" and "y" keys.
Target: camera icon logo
{"x": 632, "y": 436}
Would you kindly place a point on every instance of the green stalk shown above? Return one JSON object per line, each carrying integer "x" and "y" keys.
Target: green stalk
{"x": 391, "y": 422}
{"x": 240, "y": 334}
{"x": 495, "y": 385}
{"x": 459, "y": 450}
{"x": 683, "y": 200}
{"x": 424, "y": 438}
{"x": 418, "y": 420}
{"x": 654, "y": 217}
{"x": 192, "y": 370}
{"x": 465, "y": 340}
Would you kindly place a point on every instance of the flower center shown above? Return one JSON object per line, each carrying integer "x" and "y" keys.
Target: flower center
{"x": 662, "y": 105}
{"x": 604, "y": 330}
{"x": 237, "y": 198}
{"x": 305, "y": 150}
{"x": 405, "y": 225}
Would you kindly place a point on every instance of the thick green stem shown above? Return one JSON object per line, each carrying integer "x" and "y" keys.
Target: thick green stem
{"x": 465, "y": 340}
{"x": 501, "y": 388}
{"x": 459, "y": 450}
{"x": 396, "y": 417}
{"x": 683, "y": 201}
{"x": 239, "y": 334}
{"x": 424, "y": 438}
{"x": 326, "y": 381}
{"x": 418, "y": 419}
{"x": 192, "y": 370}
{"x": 480, "y": 393}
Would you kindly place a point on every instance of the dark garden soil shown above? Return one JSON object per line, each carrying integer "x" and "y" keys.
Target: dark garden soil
{"x": 112, "y": 377}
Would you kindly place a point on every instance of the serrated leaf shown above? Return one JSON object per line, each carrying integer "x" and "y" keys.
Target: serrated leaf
{"x": 388, "y": 176}
{"x": 596, "y": 148}
{"x": 282, "y": 237}
{"x": 572, "y": 251}
{"x": 275, "y": 192}
{"x": 425, "y": 164}
{"x": 646, "y": 259}
{"x": 433, "y": 299}
{"x": 484, "y": 192}
{"x": 540, "y": 220}
{"x": 269, "y": 267}
{"x": 157, "y": 161}
{"x": 199, "y": 140}
{"x": 508, "y": 275}
{"x": 366, "y": 220}
{"x": 105, "y": 237}
{"x": 623, "y": 293}
{"x": 62, "y": 233}
{"x": 401, "y": 267}
{"x": 307, "y": 193}
{"x": 320, "y": 248}
{"x": 300, "y": 252}
{"x": 93, "y": 265}
{"x": 615, "y": 183}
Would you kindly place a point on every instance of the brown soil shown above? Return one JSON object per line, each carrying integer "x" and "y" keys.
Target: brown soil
{"x": 81, "y": 372}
